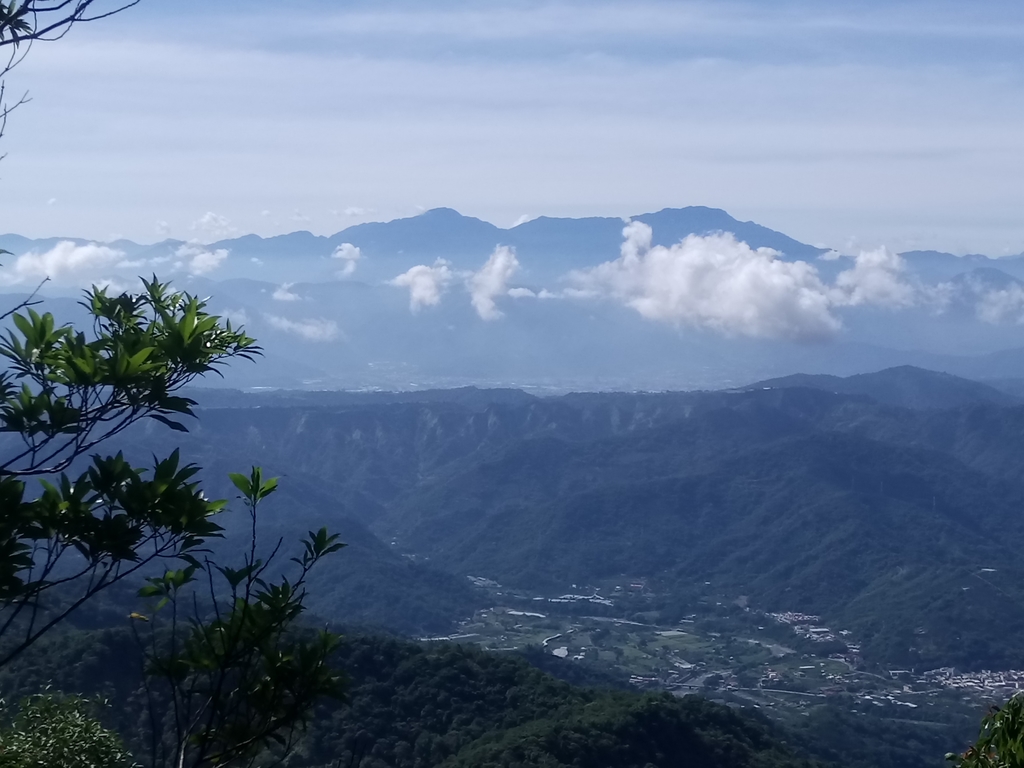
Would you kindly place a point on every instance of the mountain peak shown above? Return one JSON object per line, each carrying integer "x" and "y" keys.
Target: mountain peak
{"x": 443, "y": 213}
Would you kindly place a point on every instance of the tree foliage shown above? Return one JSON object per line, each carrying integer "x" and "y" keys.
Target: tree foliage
{"x": 1001, "y": 742}
{"x": 61, "y": 395}
{"x": 230, "y": 672}
{"x": 244, "y": 676}
{"x": 56, "y": 730}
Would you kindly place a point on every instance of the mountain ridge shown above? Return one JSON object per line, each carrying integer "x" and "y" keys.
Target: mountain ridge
{"x": 803, "y": 499}
{"x": 907, "y": 386}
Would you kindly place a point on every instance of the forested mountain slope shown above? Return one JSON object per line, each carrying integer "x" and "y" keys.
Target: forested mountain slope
{"x": 411, "y": 706}
{"x": 879, "y": 518}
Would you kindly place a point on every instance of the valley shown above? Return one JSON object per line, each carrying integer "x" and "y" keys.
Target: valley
{"x": 839, "y": 557}
{"x": 511, "y": 385}
{"x": 728, "y": 651}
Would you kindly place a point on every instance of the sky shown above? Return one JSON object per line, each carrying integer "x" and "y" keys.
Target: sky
{"x": 848, "y": 125}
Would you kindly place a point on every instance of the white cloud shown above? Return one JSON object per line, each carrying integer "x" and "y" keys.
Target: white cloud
{"x": 199, "y": 261}
{"x": 214, "y": 225}
{"x": 299, "y": 216}
{"x": 284, "y": 293}
{"x": 349, "y": 255}
{"x": 876, "y": 278}
{"x": 355, "y": 210}
{"x": 425, "y": 284}
{"x": 1001, "y": 306}
{"x": 52, "y": 201}
{"x": 236, "y": 316}
{"x": 523, "y": 219}
{"x": 66, "y": 261}
{"x": 163, "y": 228}
{"x": 312, "y": 329}
{"x": 111, "y": 285}
{"x": 491, "y": 281}
{"x": 542, "y": 294}
{"x": 992, "y": 303}
{"x": 714, "y": 282}
{"x": 720, "y": 283}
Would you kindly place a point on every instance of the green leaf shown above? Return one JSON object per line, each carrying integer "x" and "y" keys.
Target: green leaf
{"x": 241, "y": 482}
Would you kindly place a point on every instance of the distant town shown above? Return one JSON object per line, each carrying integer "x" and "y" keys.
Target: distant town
{"x": 746, "y": 660}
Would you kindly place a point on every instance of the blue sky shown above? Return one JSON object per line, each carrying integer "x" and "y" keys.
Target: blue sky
{"x": 843, "y": 124}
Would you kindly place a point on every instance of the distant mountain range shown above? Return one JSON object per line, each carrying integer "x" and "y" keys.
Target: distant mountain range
{"x": 445, "y": 233}
{"x": 330, "y": 313}
{"x": 547, "y": 247}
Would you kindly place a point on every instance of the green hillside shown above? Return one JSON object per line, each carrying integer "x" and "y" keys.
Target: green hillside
{"x": 415, "y": 707}
{"x": 878, "y": 518}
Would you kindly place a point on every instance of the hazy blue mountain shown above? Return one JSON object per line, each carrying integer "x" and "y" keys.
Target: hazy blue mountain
{"x": 938, "y": 265}
{"x": 1011, "y": 386}
{"x": 671, "y": 225}
{"x": 904, "y": 386}
{"x": 987, "y": 277}
{"x": 296, "y": 246}
{"x": 548, "y": 247}
{"x": 440, "y": 231}
{"x": 965, "y": 296}
{"x": 18, "y": 245}
{"x": 1002, "y": 364}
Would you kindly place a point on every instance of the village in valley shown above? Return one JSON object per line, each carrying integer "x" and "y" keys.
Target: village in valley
{"x": 727, "y": 650}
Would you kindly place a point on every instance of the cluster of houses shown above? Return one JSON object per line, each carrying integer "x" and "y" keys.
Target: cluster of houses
{"x": 1004, "y": 683}
{"x": 806, "y": 625}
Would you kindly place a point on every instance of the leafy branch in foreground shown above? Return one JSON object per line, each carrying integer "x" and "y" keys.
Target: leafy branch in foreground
{"x": 22, "y": 22}
{"x": 1001, "y": 742}
{"x": 76, "y": 392}
{"x": 236, "y": 673}
{"x": 57, "y": 730}
{"x": 61, "y": 395}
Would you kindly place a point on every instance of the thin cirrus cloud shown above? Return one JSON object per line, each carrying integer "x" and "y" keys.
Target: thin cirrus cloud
{"x": 446, "y": 93}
